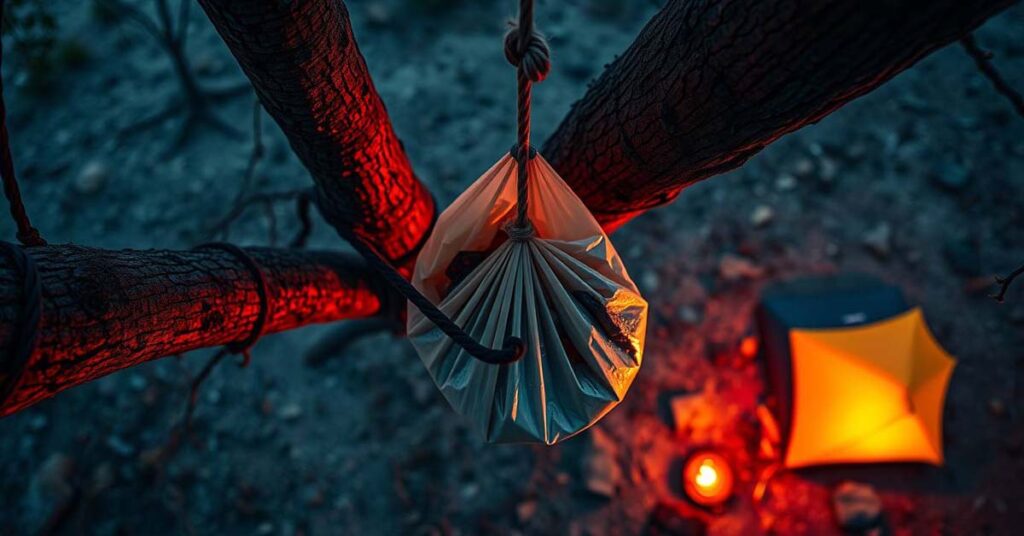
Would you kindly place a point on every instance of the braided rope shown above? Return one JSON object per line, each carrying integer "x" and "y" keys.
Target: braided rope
{"x": 529, "y": 53}
{"x": 27, "y": 234}
{"x": 245, "y": 345}
{"x": 26, "y": 331}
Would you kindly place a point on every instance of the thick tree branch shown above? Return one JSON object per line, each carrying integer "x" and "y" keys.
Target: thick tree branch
{"x": 709, "y": 83}
{"x": 310, "y": 76}
{"x": 108, "y": 310}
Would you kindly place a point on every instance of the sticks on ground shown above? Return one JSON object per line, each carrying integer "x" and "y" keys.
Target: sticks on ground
{"x": 1005, "y": 282}
{"x": 983, "y": 59}
{"x": 303, "y": 197}
{"x": 170, "y": 33}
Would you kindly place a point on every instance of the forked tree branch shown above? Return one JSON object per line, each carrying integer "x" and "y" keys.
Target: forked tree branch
{"x": 707, "y": 84}
{"x": 310, "y": 76}
{"x": 108, "y": 310}
{"x": 710, "y": 83}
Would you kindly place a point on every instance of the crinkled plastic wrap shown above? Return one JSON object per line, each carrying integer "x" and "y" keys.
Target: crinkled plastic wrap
{"x": 564, "y": 291}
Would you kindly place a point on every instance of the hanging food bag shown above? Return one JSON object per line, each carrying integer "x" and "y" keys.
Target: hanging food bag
{"x": 561, "y": 288}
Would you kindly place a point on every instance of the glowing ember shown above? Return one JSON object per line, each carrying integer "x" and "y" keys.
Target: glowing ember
{"x": 707, "y": 479}
{"x": 706, "y": 475}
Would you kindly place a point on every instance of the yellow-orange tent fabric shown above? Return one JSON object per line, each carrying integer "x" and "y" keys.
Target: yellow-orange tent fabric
{"x": 870, "y": 393}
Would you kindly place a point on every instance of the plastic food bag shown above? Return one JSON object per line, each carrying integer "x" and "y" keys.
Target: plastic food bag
{"x": 563, "y": 291}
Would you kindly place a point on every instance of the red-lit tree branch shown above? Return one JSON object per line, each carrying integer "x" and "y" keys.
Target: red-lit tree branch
{"x": 709, "y": 83}
{"x": 108, "y": 310}
{"x": 310, "y": 76}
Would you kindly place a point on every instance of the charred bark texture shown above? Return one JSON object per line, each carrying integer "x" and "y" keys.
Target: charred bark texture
{"x": 709, "y": 83}
{"x": 107, "y": 310}
{"x": 310, "y": 76}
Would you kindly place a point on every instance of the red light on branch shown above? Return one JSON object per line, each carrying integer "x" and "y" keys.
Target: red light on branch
{"x": 707, "y": 478}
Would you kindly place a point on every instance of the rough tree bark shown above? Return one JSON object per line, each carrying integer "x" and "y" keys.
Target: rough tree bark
{"x": 709, "y": 83}
{"x": 108, "y": 310}
{"x": 310, "y": 76}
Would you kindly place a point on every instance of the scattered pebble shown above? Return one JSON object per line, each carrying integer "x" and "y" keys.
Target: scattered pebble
{"x": 689, "y": 314}
{"x": 827, "y": 169}
{"x": 92, "y": 178}
{"x": 785, "y": 182}
{"x": 857, "y": 506}
{"x": 878, "y": 240}
{"x": 733, "y": 267}
{"x": 762, "y": 216}
{"x": 378, "y": 14}
{"x": 120, "y": 447}
{"x": 600, "y": 469}
{"x": 997, "y": 407}
{"x": 38, "y": 422}
{"x": 649, "y": 280}
{"x": 53, "y": 479}
{"x": 526, "y": 510}
{"x": 137, "y": 382}
{"x": 102, "y": 478}
{"x": 803, "y": 167}
{"x": 694, "y": 415}
{"x": 290, "y": 411}
{"x": 951, "y": 176}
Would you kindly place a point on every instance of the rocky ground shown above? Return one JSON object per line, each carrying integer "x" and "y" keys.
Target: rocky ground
{"x": 919, "y": 183}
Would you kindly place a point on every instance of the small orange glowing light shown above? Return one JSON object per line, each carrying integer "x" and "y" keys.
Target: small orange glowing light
{"x": 707, "y": 478}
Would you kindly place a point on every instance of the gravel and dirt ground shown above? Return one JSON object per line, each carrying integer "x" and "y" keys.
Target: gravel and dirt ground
{"x": 919, "y": 183}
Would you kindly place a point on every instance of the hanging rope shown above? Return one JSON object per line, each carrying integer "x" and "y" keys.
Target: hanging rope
{"x": 27, "y": 234}
{"x": 529, "y": 53}
{"x": 513, "y": 348}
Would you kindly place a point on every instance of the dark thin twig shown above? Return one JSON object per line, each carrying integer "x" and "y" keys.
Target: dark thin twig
{"x": 181, "y": 430}
{"x": 983, "y": 59}
{"x": 302, "y": 207}
{"x": 170, "y": 33}
{"x": 222, "y": 227}
{"x": 1005, "y": 282}
{"x": 243, "y": 199}
{"x": 254, "y": 156}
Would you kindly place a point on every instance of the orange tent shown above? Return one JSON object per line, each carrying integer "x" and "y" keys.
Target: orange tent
{"x": 871, "y": 393}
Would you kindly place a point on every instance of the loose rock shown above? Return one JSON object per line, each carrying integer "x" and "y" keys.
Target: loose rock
{"x": 878, "y": 240}
{"x": 92, "y": 178}
{"x": 857, "y": 506}
{"x": 762, "y": 216}
{"x": 290, "y": 411}
{"x": 526, "y": 510}
{"x": 600, "y": 469}
{"x": 951, "y": 176}
{"x": 378, "y": 14}
{"x": 785, "y": 182}
{"x": 733, "y": 267}
{"x": 694, "y": 415}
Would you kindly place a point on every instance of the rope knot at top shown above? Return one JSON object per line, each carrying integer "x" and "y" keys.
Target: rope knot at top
{"x": 533, "y": 57}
